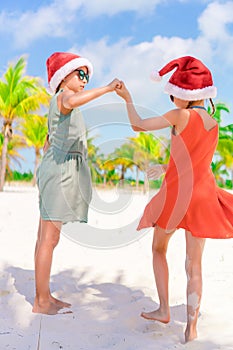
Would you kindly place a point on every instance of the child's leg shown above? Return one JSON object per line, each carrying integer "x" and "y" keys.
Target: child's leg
{"x": 38, "y": 239}
{"x": 159, "y": 248}
{"x": 48, "y": 238}
{"x": 194, "y": 250}
{"x": 52, "y": 298}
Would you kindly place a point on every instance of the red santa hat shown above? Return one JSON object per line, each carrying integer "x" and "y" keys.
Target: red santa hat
{"x": 60, "y": 64}
{"x": 191, "y": 80}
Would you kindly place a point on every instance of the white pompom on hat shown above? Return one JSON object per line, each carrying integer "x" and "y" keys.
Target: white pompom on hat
{"x": 191, "y": 81}
{"x": 60, "y": 64}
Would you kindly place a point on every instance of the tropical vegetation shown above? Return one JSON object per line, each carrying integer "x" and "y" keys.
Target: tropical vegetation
{"x": 20, "y": 95}
{"x": 222, "y": 167}
{"x": 34, "y": 130}
{"x": 23, "y": 103}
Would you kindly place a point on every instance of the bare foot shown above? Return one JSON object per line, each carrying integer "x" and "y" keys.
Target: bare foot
{"x": 157, "y": 315}
{"x": 58, "y": 302}
{"x": 46, "y": 307}
{"x": 190, "y": 334}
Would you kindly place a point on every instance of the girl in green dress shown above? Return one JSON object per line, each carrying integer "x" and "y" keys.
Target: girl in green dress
{"x": 63, "y": 177}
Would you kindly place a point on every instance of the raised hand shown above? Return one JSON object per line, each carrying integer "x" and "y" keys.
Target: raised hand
{"x": 155, "y": 171}
{"x": 116, "y": 83}
{"x": 123, "y": 92}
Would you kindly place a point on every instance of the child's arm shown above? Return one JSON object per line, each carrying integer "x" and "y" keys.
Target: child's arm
{"x": 138, "y": 124}
{"x": 71, "y": 100}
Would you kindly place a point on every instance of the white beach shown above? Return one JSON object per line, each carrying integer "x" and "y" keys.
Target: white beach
{"x": 108, "y": 288}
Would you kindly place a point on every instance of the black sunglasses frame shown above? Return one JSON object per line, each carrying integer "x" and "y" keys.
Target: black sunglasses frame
{"x": 82, "y": 74}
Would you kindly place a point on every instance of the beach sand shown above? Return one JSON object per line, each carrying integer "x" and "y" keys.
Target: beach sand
{"x": 107, "y": 286}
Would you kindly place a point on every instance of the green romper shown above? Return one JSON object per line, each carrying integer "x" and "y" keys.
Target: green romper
{"x": 63, "y": 177}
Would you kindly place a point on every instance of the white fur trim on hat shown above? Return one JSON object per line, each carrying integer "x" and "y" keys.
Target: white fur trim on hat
{"x": 69, "y": 67}
{"x": 155, "y": 76}
{"x": 190, "y": 95}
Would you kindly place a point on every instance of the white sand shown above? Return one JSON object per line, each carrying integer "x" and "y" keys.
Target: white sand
{"x": 108, "y": 288}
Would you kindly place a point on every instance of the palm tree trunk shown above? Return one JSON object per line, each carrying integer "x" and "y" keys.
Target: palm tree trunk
{"x": 122, "y": 179}
{"x": 37, "y": 159}
{"x": 146, "y": 183}
{"x": 3, "y": 160}
{"x": 137, "y": 177}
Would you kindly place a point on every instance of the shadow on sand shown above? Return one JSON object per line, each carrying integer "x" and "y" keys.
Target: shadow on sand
{"x": 105, "y": 316}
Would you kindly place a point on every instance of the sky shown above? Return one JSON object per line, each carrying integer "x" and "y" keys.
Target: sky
{"x": 124, "y": 39}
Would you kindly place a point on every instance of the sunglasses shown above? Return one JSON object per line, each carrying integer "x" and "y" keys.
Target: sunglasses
{"x": 82, "y": 74}
{"x": 171, "y": 98}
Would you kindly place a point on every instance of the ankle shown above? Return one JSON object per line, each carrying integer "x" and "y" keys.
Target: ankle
{"x": 164, "y": 308}
{"x": 190, "y": 332}
{"x": 42, "y": 299}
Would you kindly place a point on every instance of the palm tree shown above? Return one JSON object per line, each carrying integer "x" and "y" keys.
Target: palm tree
{"x": 13, "y": 156}
{"x": 225, "y": 150}
{"x": 124, "y": 158}
{"x": 35, "y": 129}
{"x": 219, "y": 107}
{"x": 218, "y": 170}
{"x": 225, "y": 143}
{"x": 148, "y": 149}
{"x": 109, "y": 170}
{"x": 94, "y": 159}
{"x": 19, "y": 95}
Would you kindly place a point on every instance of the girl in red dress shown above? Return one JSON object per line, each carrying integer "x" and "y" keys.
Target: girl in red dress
{"x": 189, "y": 197}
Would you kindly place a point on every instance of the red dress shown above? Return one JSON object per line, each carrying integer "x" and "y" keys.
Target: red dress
{"x": 189, "y": 197}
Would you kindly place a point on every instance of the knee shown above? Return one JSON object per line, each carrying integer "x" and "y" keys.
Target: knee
{"x": 160, "y": 241}
{"x": 55, "y": 240}
{"x": 50, "y": 239}
{"x": 159, "y": 248}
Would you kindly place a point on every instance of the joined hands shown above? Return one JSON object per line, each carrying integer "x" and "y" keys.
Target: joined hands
{"x": 123, "y": 92}
{"x": 116, "y": 83}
